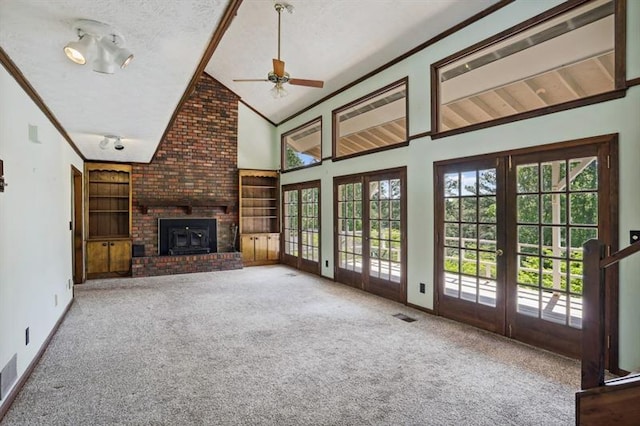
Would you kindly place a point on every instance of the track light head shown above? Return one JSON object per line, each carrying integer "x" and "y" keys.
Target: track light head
{"x": 118, "y": 144}
{"x": 80, "y": 51}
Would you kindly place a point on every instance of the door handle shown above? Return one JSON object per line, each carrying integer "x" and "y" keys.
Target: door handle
{"x": 499, "y": 252}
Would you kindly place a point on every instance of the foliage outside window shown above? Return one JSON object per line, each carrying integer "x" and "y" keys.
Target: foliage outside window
{"x": 375, "y": 122}
{"x": 302, "y": 147}
{"x": 563, "y": 57}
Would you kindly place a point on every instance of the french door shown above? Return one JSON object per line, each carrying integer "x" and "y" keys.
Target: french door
{"x": 301, "y": 229}
{"x": 370, "y": 232}
{"x": 510, "y": 230}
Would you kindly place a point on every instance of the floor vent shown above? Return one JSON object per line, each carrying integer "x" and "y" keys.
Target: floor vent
{"x": 403, "y": 317}
{"x": 291, "y": 274}
{"x": 8, "y": 376}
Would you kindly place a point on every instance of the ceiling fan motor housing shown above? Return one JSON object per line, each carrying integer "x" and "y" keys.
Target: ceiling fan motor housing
{"x": 273, "y": 77}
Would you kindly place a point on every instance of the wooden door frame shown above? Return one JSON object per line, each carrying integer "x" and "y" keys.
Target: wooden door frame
{"x": 299, "y": 262}
{"x": 363, "y": 178}
{"x": 77, "y": 228}
{"x": 608, "y": 210}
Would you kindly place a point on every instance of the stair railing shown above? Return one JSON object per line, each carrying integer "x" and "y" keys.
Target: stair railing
{"x": 593, "y": 309}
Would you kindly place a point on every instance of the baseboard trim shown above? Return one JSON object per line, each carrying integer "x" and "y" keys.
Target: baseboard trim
{"x": 4, "y": 408}
{"x": 421, "y": 308}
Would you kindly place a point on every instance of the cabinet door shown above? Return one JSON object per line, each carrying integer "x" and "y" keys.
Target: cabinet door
{"x": 261, "y": 247}
{"x": 273, "y": 246}
{"x": 247, "y": 247}
{"x": 97, "y": 257}
{"x": 119, "y": 256}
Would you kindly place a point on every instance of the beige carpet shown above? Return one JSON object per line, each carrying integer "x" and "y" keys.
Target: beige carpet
{"x": 274, "y": 346}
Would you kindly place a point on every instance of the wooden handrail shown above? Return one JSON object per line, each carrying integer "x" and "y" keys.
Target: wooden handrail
{"x": 618, "y": 256}
{"x": 593, "y": 309}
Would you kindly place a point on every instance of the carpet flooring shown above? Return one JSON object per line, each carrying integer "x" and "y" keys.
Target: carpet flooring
{"x": 274, "y": 346}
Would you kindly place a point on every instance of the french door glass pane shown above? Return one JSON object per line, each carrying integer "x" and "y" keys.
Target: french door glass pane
{"x": 350, "y": 226}
{"x": 557, "y": 213}
{"x": 291, "y": 222}
{"x": 384, "y": 229}
{"x": 470, "y": 236}
{"x": 309, "y": 229}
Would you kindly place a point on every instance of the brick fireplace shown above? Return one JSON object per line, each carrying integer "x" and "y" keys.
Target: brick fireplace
{"x": 192, "y": 175}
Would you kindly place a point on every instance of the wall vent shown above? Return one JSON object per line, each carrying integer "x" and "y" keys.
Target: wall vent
{"x": 8, "y": 376}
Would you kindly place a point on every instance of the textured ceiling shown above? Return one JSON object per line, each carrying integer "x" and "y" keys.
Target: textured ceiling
{"x": 168, "y": 39}
{"x": 337, "y": 41}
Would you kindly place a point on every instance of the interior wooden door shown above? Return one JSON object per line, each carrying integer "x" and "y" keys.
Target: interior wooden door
{"x": 370, "y": 228}
{"x": 470, "y": 262}
{"x": 556, "y": 207}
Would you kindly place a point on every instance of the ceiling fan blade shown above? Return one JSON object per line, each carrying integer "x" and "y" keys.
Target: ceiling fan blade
{"x": 278, "y": 67}
{"x": 309, "y": 83}
{"x": 244, "y": 80}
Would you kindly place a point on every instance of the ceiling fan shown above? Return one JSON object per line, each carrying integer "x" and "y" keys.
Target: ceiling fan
{"x": 278, "y": 76}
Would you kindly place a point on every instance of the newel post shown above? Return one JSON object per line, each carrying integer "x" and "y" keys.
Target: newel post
{"x": 593, "y": 330}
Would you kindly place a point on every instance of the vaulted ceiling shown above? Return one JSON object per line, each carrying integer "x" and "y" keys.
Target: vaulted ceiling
{"x": 332, "y": 40}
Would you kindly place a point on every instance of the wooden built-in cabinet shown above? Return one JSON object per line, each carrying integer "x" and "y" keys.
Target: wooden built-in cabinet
{"x": 108, "y": 215}
{"x": 259, "y": 217}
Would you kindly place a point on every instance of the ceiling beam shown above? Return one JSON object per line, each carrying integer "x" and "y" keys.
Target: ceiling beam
{"x": 603, "y": 65}
{"x": 484, "y": 107}
{"x": 509, "y": 100}
{"x": 534, "y": 90}
{"x": 462, "y": 113}
{"x": 570, "y": 83}
{"x": 453, "y": 115}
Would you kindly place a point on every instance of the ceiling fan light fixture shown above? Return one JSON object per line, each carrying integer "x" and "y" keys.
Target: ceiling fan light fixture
{"x": 79, "y": 51}
{"x": 278, "y": 91}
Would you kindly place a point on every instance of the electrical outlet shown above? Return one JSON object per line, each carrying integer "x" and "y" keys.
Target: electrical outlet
{"x": 422, "y": 288}
{"x": 69, "y": 284}
{"x": 634, "y": 237}
{"x": 26, "y": 336}
{"x": 55, "y": 300}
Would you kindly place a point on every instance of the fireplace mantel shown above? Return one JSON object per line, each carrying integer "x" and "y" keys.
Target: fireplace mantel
{"x": 186, "y": 204}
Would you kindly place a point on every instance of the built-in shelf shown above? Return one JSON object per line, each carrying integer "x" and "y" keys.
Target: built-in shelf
{"x": 187, "y": 205}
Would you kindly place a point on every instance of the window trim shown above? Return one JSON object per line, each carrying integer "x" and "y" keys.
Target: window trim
{"x": 334, "y": 121}
{"x": 620, "y": 83}
{"x": 283, "y": 146}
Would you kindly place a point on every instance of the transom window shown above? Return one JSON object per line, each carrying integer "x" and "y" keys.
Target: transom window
{"x": 376, "y": 122}
{"x": 566, "y": 57}
{"x": 302, "y": 147}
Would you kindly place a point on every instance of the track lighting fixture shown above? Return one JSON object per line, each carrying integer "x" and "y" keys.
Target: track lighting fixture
{"x": 98, "y": 43}
{"x": 117, "y": 142}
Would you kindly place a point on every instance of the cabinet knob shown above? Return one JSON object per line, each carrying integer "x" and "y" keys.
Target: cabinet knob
{"x": 104, "y": 244}
{"x": 112, "y": 243}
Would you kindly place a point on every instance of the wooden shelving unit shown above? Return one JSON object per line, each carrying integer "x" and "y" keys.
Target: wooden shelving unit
{"x": 259, "y": 217}
{"x": 108, "y": 215}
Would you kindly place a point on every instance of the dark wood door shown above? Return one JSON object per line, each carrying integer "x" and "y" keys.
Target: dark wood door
{"x": 76, "y": 226}
{"x": 555, "y": 207}
{"x": 301, "y": 226}
{"x": 509, "y": 236}
{"x": 470, "y": 261}
{"x": 370, "y": 229}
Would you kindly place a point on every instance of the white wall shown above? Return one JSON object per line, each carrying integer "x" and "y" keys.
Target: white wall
{"x": 35, "y": 210}
{"x": 256, "y": 149}
{"x": 618, "y": 116}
